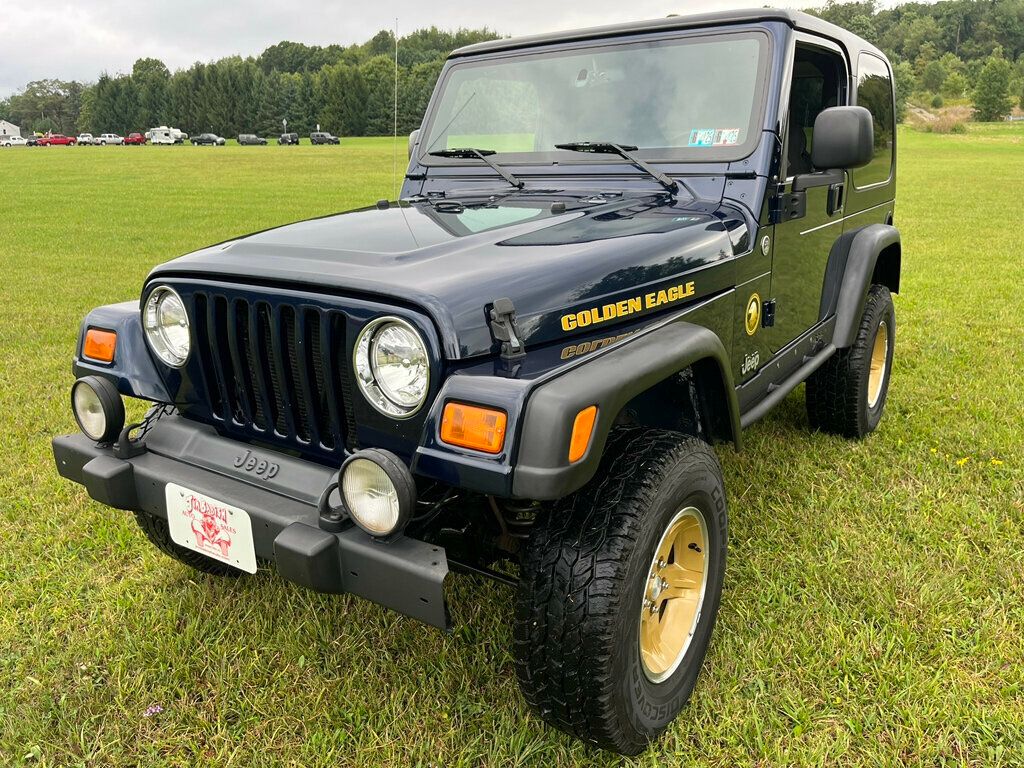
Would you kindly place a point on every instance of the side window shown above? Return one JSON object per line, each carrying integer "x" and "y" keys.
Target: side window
{"x": 818, "y": 83}
{"x": 874, "y": 91}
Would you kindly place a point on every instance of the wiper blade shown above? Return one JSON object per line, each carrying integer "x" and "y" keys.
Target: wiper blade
{"x": 479, "y": 154}
{"x": 626, "y": 151}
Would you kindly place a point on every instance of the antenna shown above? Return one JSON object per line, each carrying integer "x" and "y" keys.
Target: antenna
{"x": 394, "y": 144}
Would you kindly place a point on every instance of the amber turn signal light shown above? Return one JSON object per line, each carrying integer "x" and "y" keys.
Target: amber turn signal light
{"x": 99, "y": 345}
{"x": 469, "y": 426}
{"x": 582, "y": 429}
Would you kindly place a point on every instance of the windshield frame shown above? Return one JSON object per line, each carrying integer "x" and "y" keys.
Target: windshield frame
{"x": 683, "y": 155}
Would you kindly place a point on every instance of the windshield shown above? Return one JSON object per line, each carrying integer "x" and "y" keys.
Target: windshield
{"x": 691, "y": 99}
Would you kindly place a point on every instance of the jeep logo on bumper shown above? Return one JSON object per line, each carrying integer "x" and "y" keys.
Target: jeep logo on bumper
{"x": 262, "y": 468}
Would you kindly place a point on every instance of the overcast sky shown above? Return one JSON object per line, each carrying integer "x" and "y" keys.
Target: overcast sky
{"x": 79, "y": 40}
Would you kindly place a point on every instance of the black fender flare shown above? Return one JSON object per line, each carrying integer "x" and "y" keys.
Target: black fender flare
{"x": 609, "y": 381}
{"x": 863, "y": 256}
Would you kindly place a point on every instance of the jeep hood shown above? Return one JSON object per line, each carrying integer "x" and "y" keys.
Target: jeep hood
{"x": 453, "y": 260}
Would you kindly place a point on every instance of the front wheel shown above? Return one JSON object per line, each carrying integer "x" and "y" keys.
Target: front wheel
{"x": 620, "y": 587}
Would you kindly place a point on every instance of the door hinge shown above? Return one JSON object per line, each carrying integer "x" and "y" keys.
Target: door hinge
{"x": 768, "y": 313}
{"x": 505, "y": 330}
{"x": 787, "y": 206}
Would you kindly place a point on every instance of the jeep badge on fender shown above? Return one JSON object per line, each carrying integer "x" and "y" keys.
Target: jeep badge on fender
{"x": 614, "y": 249}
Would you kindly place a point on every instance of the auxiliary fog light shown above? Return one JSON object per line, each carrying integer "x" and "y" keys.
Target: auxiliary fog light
{"x": 378, "y": 490}
{"x": 98, "y": 408}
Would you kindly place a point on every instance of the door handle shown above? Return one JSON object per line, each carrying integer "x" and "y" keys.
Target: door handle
{"x": 836, "y": 198}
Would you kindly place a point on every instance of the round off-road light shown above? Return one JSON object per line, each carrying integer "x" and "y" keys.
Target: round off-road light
{"x": 166, "y": 324}
{"x": 98, "y": 408}
{"x": 378, "y": 490}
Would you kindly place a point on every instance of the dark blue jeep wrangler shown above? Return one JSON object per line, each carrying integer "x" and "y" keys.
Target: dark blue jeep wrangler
{"x": 613, "y": 249}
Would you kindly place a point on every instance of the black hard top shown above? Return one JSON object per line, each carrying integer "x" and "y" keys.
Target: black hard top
{"x": 796, "y": 19}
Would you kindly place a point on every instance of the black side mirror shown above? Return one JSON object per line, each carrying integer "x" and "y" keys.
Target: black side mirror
{"x": 844, "y": 137}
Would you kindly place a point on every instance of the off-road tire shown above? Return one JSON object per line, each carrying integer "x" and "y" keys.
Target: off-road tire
{"x": 159, "y": 534}
{"x": 576, "y": 632}
{"x": 837, "y": 393}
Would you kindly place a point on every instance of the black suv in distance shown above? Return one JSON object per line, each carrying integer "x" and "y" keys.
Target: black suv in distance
{"x": 614, "y": 249}
{"x": 251, "y": 140}
{"x": 208, "y": 140}
{"x": 322, "y": 137}
{"x": 288, "y": 139}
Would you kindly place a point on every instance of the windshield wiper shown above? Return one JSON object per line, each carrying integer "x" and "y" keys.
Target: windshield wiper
{"x": 480, "y": 154}
{"x": 626, "y": 151}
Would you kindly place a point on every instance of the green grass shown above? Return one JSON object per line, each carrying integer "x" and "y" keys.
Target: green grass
{"x": 874, "y": 603}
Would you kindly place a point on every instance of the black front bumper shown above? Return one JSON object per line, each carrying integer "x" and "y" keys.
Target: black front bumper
{"x": 405, "y": 574}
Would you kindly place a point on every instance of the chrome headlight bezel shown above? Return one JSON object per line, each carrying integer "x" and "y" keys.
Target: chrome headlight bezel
{"x": 155, "y": 333}
{"x": 366, "y": 376}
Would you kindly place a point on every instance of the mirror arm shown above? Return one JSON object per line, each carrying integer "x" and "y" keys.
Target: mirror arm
{"x": 818, "y": 179}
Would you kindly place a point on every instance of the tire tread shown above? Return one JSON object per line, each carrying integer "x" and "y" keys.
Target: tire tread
{"x": 836, "y": 394}
{"x": 572, "y": 585}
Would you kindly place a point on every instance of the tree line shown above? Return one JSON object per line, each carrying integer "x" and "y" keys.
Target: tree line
{"x": 346, "y": 90}
{"x": 970, "y": 50}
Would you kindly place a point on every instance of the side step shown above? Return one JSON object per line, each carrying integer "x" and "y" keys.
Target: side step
{"x": 778, "y": 392}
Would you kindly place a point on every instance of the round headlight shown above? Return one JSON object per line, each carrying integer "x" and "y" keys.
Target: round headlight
{"x": 392, "y": 367}
{"x": 98, "y": 408}
{"x": 166, "y": 324}
{"x": 378, "y": 491}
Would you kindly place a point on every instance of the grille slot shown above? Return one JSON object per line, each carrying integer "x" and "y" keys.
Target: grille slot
{"x": 267, "y": 368}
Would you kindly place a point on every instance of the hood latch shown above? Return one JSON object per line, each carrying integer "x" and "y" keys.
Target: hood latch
{"x": 505, "y": 330}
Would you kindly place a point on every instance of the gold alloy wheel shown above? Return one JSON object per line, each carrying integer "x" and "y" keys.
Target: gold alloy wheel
{"x": 879, "y": 362}
{"x": 673, "y": 594}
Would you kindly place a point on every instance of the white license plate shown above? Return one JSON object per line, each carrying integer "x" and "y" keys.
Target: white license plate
{"x": 212, "y": 528}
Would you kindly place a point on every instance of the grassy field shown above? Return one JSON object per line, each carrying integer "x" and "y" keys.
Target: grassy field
{"x": 874, "y": 603}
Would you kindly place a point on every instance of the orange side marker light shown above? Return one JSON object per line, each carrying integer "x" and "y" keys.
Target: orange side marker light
{"x": 582, "y": 431}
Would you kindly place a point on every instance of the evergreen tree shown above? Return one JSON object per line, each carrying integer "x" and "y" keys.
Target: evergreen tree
{"x": 272, "y": 108}
{"x": 414, "y": 90}
{"x": 353, "y": 100}
{"x": 152, "y": 80}
{"x": 379, "y": 105}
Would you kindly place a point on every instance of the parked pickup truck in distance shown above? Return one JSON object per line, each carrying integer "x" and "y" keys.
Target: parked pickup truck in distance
{"x": 57, "y": 139}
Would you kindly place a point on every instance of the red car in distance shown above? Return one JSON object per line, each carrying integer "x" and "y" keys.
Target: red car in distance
{"x": 57, "y": 139}
{"x": 134, "y": 138}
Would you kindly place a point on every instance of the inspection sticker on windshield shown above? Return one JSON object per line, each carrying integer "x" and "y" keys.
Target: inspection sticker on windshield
{"x": 714, "y": 137}
{"x": 727, "y": 137}
{"x": 212, "y": 528}
{"x": 702, "y": 137}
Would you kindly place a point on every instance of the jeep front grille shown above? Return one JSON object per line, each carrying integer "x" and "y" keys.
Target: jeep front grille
{"x": 275, "y": 371}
